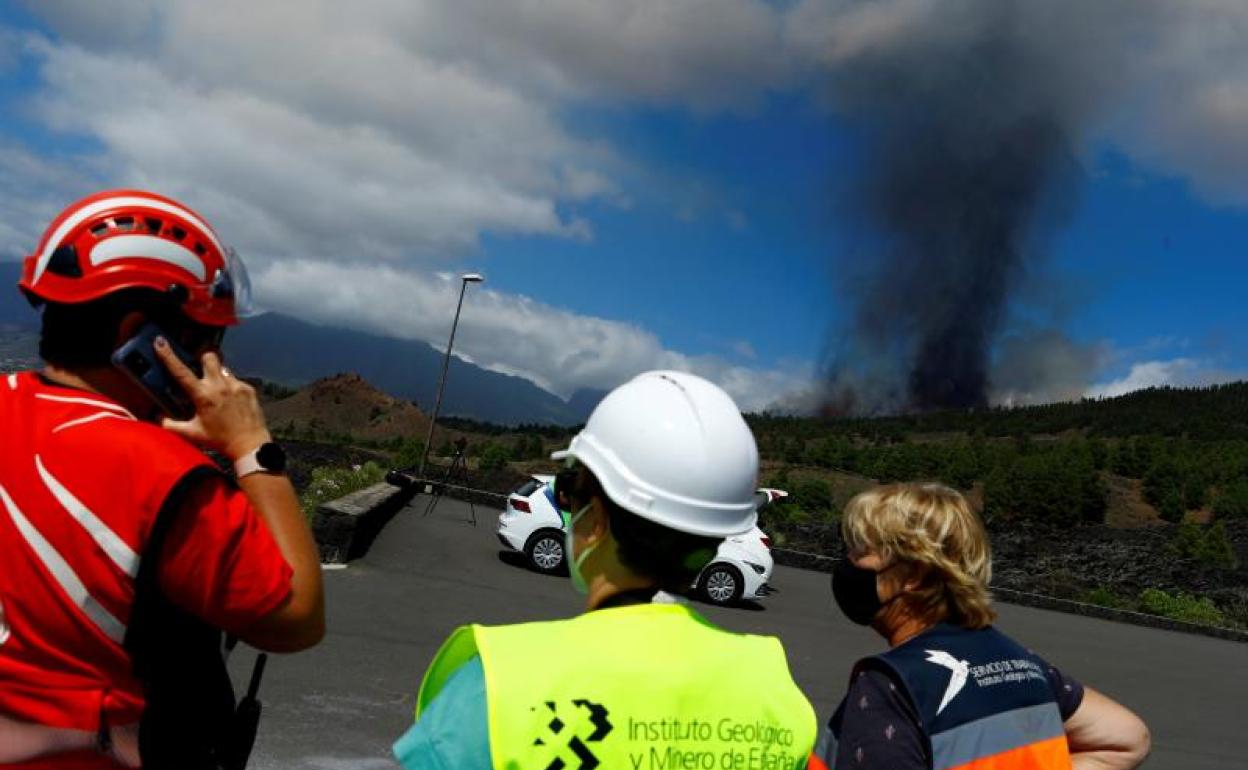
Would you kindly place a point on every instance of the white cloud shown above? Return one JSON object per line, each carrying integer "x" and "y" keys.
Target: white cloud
{"x": 353, "y": 155}
{"x": 1175, "y": 372}
{"x": 33, "y": 189}
{"x": 1188, "y": 110}
{"x": 287, "y": 179}
{"x": 382, "y": 139}
{"x": 559, "y": 350}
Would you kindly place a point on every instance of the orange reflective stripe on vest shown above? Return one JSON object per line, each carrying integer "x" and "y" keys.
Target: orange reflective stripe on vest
{"x": 1030, "y": 738}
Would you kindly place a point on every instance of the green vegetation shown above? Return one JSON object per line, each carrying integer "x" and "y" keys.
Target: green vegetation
{"x": 1038, "y": 472}
{"x": 1232, "y": 501}
{"x": 1058, "y": 486}
{"x": 1215, "y": 413}
{"x": 1107, "y": 597}
{"x": 1181, "y": 606}
{"x": 468, "y": 425}
{"x": 1177, "y": 606}
{"x": 407, "y": 452}
{"x": 1056, "y": 479}
{"x": 1206, "y": 545}
{"x": 330, "y": 483}
{"x": 271, "y": 391}
{"x": 528, "y": 447}
{"x": 492, "y": 455}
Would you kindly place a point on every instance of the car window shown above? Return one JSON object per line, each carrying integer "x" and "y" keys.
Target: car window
{"x": 527, "y": 488}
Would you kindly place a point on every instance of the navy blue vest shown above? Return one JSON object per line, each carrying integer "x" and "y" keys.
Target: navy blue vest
{"x": 980, "y": 698}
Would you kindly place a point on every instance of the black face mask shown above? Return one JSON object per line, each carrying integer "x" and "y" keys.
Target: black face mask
{"x": 854, "y": 590}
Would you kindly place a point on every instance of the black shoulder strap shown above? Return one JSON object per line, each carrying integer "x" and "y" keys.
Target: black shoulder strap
{"x": 177, "y": 658}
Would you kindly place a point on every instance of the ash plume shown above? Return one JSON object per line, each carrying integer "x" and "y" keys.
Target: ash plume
{"x": 968, "y": 121}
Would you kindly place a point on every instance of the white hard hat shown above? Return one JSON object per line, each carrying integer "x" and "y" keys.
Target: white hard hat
{"x": 673, "y": 448}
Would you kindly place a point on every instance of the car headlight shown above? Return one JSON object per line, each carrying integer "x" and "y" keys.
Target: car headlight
{"x": 760, "y": 569}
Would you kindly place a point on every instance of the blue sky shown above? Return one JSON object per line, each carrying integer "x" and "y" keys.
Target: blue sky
{"x": 1158, "y": 262}
{"x": 671, "y": 194}
{"x": 738, "y": 252}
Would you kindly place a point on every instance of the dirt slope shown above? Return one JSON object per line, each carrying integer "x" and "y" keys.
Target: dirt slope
{"x": 346, "y": 404}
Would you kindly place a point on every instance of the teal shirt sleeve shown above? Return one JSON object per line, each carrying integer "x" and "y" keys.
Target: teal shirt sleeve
{"x": 453, "y": 732}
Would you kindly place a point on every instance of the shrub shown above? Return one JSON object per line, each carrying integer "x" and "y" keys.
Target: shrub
{"x": 1209, "y": 546}
{"x": 409, "y": 452}
{"x": 1232, "y": 503}
{"x": 1195, "y": 493}
{"x": 1181, "y": 606}
{"x": 493, "y": 456}
{"x": 783, "y": 513}
{"x": 1216, "y": 548}
{"x": 1236, "y": 611}
{"x": 1056, "y": 487}
{"x": 814, "y": 496}
{"x": 1171, "y": 506}
{"x": 330, "y": 483}
{"x": 1107, "y": 597}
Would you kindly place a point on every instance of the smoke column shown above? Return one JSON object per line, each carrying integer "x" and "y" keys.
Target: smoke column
{"x": 967, "y": 122}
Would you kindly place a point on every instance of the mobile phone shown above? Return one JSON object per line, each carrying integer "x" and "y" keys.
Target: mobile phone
{"x": 138, "y": 360}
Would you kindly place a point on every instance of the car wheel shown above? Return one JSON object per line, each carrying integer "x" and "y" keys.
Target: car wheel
{"x": 721, "y": 584}
{"x": 545, "y": 551}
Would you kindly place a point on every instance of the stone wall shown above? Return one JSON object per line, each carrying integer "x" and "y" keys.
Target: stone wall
{"x": 346, "y": 527}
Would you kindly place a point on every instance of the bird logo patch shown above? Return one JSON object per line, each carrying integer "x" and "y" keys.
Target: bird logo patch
{"x": 958, "y": 671}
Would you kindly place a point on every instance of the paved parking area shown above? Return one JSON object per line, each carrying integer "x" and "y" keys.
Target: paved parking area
{"x": 339, "y": 706}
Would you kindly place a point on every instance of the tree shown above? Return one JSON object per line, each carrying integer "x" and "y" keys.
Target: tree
{"x": 1170, "y": 507}
{"x": 1057, "y": 487}
{"x": 813, "y": 496}
{"x": 1232, "y": 502}
{"x": 1216, "y": 548}
{"x": 409, "y": 453}
{"x": 961, "y": 467}
{"x": 492, "y": 456}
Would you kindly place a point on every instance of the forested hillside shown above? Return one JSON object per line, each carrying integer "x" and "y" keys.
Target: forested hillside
{"x": 1187, "y": 448}
{"x": 1137, "y": 502}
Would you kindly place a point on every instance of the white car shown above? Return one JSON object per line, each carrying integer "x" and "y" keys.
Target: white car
{"x": 531, "y": 524}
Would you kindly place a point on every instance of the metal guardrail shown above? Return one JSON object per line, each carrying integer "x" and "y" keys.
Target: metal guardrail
{"x": 433, "y": 487}
{"x": 821, "y": 563}
{"x": 406, "y": 479}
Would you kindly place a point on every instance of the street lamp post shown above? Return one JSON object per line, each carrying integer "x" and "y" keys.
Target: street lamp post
{"x": 466, "y": 278}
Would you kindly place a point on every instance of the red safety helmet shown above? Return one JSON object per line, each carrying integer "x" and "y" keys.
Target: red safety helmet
{"x": 127, "y": 239}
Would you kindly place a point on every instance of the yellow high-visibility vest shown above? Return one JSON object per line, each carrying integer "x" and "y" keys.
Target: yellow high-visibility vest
{"x": 641, "y": 687}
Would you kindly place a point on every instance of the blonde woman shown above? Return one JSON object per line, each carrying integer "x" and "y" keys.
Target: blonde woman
{"x": 952, "y": 691}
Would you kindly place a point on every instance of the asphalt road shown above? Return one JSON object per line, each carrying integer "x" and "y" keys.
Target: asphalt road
{"x": 341, "y": 705}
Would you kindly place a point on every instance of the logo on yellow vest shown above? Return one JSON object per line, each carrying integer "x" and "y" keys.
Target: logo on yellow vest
{"x": 598, "y": 719}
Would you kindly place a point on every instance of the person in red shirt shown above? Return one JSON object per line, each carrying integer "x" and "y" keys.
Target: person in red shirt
{"x": 127, "y": 550}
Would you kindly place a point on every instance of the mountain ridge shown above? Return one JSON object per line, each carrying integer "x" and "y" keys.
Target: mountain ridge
{"x": 292, "y": 351}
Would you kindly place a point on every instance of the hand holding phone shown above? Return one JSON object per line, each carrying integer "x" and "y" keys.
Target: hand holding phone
{"x": 227, "y": 415}
{"x": 137, "y": 358}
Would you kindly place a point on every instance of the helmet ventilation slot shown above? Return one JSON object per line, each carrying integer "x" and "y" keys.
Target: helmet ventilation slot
{"x": 64, "y": 262}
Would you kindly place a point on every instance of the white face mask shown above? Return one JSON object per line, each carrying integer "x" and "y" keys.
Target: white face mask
{"x": 574, "y": 562}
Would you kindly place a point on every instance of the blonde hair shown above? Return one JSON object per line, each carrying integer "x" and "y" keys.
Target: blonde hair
{"x": 932, "y": 531}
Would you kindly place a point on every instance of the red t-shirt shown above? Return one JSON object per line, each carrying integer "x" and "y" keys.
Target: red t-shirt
{"x": 220, "y": 562}
{"x": 81, "y": 484}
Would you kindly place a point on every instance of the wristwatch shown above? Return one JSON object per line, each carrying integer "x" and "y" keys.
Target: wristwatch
{"x": 269, "y": 457}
